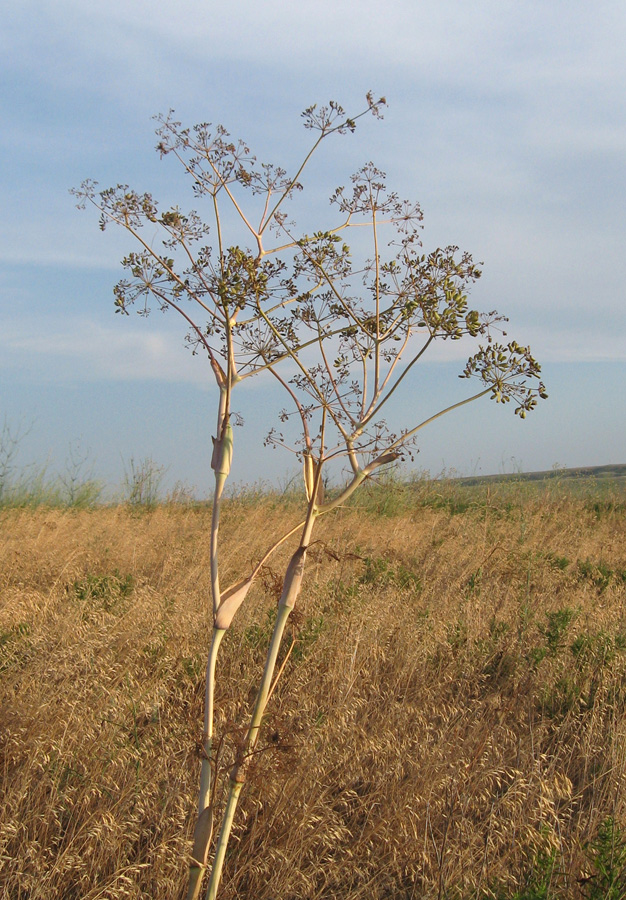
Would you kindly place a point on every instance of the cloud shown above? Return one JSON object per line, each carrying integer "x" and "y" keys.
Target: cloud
{"x": 83, "y": 350}
{"x": 86, "y": 350}
{"x": 506, "y": 120}
{"x": 563, "y": 345}
{"x": 443, "y": 40}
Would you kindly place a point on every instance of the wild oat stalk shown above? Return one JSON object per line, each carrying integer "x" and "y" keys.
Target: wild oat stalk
{"x": 339, "y": 338}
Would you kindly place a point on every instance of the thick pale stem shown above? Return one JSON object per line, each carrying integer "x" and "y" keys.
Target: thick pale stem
{"x": 359, "y": 478}
{"x": 220, "y": 463}
{"x": 215, "y": 580}
{"x": 209, "y": 708}
{"x": 220, "y": 850}
{"x": 291, "y": 589}
{"x": 204, "y": 824}
{"x": 266, "y": 681}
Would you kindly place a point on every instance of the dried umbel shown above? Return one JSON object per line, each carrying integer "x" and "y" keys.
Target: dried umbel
{"x": 338, "y": 336}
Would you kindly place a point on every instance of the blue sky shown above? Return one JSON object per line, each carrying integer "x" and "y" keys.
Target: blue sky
{"x": 506, "y": 120}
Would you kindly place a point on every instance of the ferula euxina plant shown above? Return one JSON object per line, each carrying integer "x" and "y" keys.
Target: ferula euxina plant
{"x": 338, "y": 337}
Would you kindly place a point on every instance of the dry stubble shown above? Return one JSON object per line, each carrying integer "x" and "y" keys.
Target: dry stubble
{"x": 452, "y": 708}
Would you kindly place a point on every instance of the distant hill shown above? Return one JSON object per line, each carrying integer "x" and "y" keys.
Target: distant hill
{"x": 615, "y": 472}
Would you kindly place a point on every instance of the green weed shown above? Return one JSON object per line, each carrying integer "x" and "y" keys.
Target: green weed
{"x": 556, "y": 627}
{"x": 452, "y": 503}
{"x": 193, "y": 667}
{"x": 599, "y": 574}
{"x": 306, "y": 637}
{"x": 107, "y": 592}
{"x": 142, "y": 483}
{"x": 456, "y": 635}
{"x": 539, "y": 882}
{"x": 605, "y": 508}
{"x": 13, "y": 645}
{"x": 558, "y": 562}
{"x": 379, "y": 572}
{"x": 607, "y": 855}
{"x": 597, "y": 650}
{"x": 553, "y": 631}
{"x": 258, "y": 634}
{"x": 473, "y": 582}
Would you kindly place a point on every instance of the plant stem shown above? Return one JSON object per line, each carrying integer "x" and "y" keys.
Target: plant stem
{"x": 221, "y": 466}
{"x": 222, "y": 842}
{"x": 204, "y": 824}
{"x": 291, "y": 589}
{"x": 209, "y": 700}
{"x": 203, "y": 831}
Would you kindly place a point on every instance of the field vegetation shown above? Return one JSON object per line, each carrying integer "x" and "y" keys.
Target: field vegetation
{"x": 450, "y": 720}
{"x": 338, "y": 331}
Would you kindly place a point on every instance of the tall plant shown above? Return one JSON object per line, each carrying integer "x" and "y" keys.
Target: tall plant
{"x": 339, "y": 337}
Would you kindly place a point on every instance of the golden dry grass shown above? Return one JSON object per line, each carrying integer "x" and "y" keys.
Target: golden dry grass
{"x": 452, "y": 713}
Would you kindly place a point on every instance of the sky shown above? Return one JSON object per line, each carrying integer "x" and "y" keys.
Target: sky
{"x": 505, "y": 120}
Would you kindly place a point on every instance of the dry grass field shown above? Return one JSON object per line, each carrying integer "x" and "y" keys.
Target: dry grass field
{"x": 451, "y": 720}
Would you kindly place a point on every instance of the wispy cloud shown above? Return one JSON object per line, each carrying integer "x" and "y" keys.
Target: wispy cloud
{"x": 84, "y": 350}
{"x": 507, "y": 121}
{"x": 87, "y": 350}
